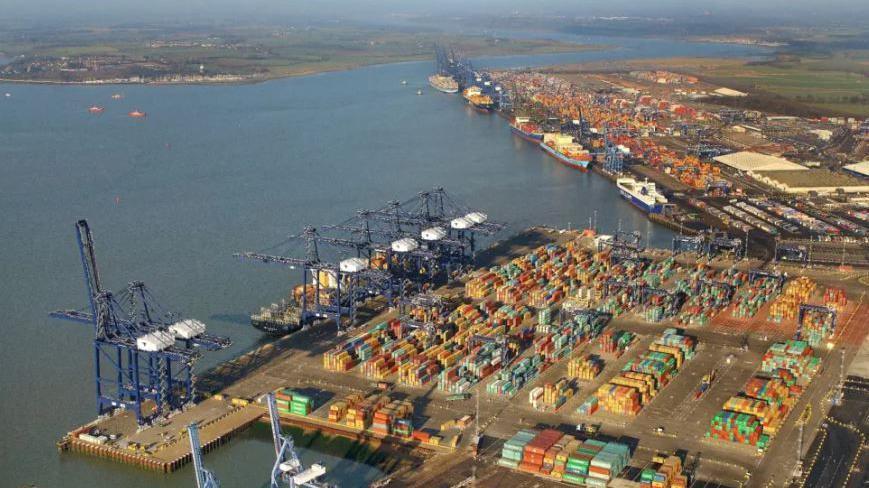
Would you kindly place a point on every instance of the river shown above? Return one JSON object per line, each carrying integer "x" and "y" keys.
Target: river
{"x": 217, "y": 169}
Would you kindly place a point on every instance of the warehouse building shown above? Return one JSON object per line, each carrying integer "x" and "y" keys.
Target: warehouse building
{"x": 820, "y": 181}
{"x": 858, "y": 169}
{"x": 790, "y": 177}
{"x": 752, "y": 161}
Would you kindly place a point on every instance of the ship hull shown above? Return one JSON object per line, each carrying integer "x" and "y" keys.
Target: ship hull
{"x": 645, "y": 207}
{"x": 444, "y": 90}
{"x": 535, "y": 138}
{"x": 274, "y": 328}
{"x": 480, "y": 108}
{"x": 561, "y": 158}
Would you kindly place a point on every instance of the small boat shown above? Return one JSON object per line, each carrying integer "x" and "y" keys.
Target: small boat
{"x": 137, "y": 114}
{"x": 117, "y": 96}
{"x": 7, "y": 94}
{"x": 96, "y": 109}
{"x": 419, "y": 92}
{"x": 403, "y": 82}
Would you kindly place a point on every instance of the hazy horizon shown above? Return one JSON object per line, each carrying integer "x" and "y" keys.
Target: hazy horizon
{"x": 53, "y": 12}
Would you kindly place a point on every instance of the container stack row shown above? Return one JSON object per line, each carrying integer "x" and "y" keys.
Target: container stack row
{"x": 755, "y": 415}
{"x": 551, "y": 454}
{"x": 509, "y": 381}
{"x": 750, "y": 299}
{"x": 643, "y": 378}
{"x": 796, "y": 292}
{"x": 616, "y": 342}
{"x": 551, "y": 396}
{"x": 584, "y": 368}
{"x": 665, "y": 472}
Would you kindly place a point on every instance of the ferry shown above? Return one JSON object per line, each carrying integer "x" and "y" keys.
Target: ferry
{"x": 565, "y": 150}
{"x": 443, "y": 83}
{"x": 642, "y": 194}
{"x": 524, "y": 128}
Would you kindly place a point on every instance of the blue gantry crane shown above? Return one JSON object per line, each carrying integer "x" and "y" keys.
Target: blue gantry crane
{"x": 204, "y": 477}
{"x": 683, "y": 243}
{"x": 392, "y": 252}
{"x": 143, "y": 356}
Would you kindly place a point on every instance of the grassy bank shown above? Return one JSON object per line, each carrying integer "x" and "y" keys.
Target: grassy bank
{"x": 259, "y": 52}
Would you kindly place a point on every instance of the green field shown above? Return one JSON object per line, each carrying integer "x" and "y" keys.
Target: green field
{"x": 267, "y": 52}
{"x": 838, "y": 83}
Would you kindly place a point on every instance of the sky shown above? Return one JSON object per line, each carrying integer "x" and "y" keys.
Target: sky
{"x": 98, "y": 11}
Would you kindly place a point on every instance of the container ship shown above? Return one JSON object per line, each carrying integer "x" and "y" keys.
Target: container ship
{"x": 278, "y": 319}
{"x": 474, "y": 95}
{"x": 443, "y": 83}
{"x": 524, "y": 128}
{"x": 642, "y": 194}
{"x": 563, "y": 148}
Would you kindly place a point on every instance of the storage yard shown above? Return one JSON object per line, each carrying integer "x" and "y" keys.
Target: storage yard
{"x": 560, "y": 330}
{"x": 717, "y": 168}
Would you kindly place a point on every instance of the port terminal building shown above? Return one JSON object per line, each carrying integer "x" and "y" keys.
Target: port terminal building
{"x": 790, "y": 177}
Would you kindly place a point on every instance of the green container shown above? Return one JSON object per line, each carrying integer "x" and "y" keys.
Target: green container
{"x": 573, "y": 479}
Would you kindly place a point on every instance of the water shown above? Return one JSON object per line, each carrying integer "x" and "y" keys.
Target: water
{"x": 217, "y": 169}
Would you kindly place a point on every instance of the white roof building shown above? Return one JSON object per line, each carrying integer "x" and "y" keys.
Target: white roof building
{"x": 860, "y": 169}
{"x": 752, "y": 161}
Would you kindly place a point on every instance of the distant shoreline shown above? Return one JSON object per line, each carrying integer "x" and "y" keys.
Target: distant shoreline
{"x": 270, "y": 77}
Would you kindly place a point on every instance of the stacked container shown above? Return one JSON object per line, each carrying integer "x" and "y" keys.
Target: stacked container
{"x": 818, "y": 325}
{"x": 616, "y": 342}
{"x": 292, "y": 402}
{"x": 796, "y": 292}
{"x": 641, "y": 379}
{"x": 736, "y": 427}
{"x": 509, "y": 381}
{"x": 584, "y": 368}
{"x": 664, "y": 474}
{"x": 795, "y": 357}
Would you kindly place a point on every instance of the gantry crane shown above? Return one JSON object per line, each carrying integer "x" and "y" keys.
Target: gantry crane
{"x": 150, "y": 354}
{"x": 398, "y": 249}
{"x": 204, "y": 477}
{"x": 287, "y": 471}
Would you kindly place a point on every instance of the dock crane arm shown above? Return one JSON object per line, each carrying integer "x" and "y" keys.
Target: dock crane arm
{"x": 204, "y": 477}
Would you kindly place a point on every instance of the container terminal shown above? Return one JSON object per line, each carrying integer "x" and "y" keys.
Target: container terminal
{"x": 794, "y": 188}
{"x": 545, "y": 357}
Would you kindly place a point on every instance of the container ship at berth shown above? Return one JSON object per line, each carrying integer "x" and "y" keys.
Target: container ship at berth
{"x": 474, "y": 95}
{"x": 563, "y": 148}
{"x": 524, "y": 128}
{"x": 642, "y": 194}
{"x": 278, "y": 319}
{"x": 443, "y": 83}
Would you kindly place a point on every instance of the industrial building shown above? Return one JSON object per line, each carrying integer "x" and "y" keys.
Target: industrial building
{"x": 749, "y": 162}
{"x": 859, "y": 169}
{"x": 820, "y": 181}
